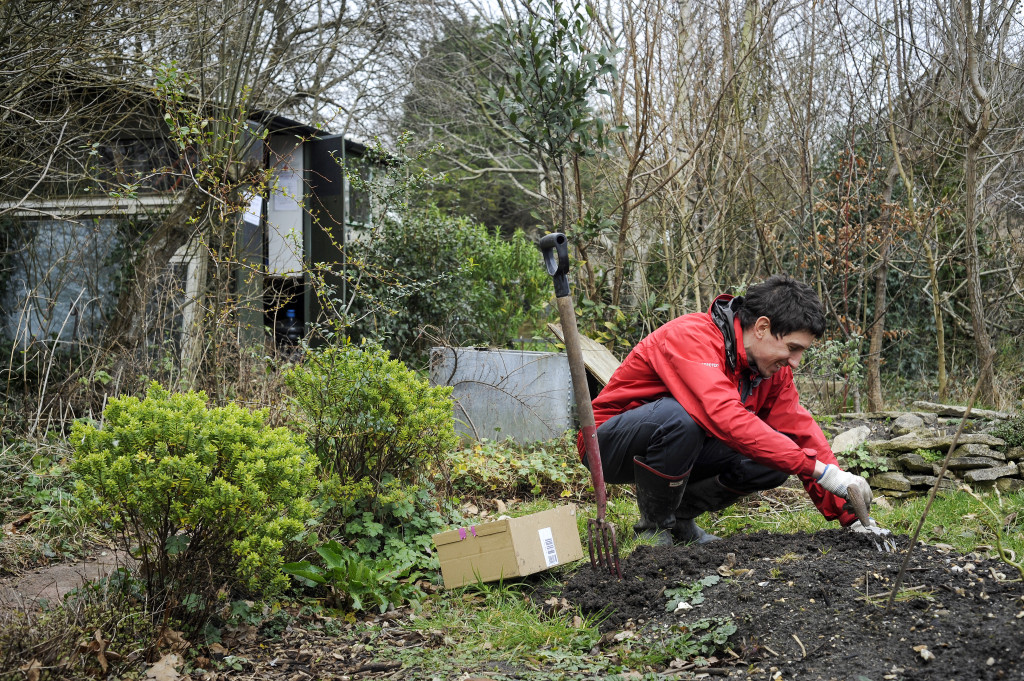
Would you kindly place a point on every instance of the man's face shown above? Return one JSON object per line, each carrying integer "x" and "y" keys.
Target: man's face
{"x": 768, "y": 353}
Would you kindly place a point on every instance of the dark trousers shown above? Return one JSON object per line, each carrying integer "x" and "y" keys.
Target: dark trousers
{"x": 673, "y": 444}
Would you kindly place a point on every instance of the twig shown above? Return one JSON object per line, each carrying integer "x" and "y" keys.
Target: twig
{"x": 377, "y": 667}
{"x": 935, "y": 487}
{"x": 770, "y": 650}
{"x": 803, "y": 651}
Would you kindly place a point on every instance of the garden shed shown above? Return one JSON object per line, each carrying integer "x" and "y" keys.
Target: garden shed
{"x": 61, "y": 267}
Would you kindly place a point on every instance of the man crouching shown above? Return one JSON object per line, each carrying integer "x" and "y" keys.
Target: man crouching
{"x": 704, "y": 411}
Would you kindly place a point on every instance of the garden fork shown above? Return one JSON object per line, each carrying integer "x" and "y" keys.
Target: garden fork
{"x": 601, "y": 542}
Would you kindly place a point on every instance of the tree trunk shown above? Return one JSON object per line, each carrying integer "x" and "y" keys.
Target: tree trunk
{"x": 940, "y": 327}
{"x": 982, "y": 344}
{"x": 876, "y": 334}
{"x": 876, "y": 331}
{"x": 978, "y": 124}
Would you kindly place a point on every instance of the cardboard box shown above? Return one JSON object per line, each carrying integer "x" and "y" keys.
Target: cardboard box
{"x": 514, "y": 547}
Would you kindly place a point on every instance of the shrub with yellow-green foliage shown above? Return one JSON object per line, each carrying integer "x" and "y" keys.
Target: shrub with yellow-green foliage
{"x": 382, "y": 435}
{"x": 206, "y": 498}
{"x": 367, "y": 416}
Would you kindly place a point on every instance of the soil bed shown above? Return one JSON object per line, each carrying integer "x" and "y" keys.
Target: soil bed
{"x": 812, "y": 606}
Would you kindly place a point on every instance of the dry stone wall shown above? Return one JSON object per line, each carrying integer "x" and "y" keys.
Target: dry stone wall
{"x": 906, "y": 449}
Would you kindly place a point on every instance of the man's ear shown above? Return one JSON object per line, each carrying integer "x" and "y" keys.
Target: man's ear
{"x": 762, "y": 327}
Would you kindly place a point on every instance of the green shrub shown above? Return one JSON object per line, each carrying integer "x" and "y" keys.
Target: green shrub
{"x": 464, "y": 282}
{"x": 1011, "y": 431}
{"x": 369, "y": 417}
{"x": 382, "y": 436}
{"x": 204, "y": 497}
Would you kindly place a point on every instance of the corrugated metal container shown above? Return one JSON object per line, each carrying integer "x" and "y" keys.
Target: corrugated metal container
{"x": 499, "y": 394}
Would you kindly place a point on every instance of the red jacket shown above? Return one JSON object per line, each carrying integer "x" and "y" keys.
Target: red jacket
{"x": 696, "y": 361}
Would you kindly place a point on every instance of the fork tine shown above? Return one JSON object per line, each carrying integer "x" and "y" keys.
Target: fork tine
{"x": 591, "y": 542}
{"x": 613, "y": 564}
{"x": 603, "y": 546}
{"x": 606, "y": 552}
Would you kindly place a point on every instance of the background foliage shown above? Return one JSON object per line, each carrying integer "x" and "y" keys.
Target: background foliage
{"x": 449, "y": 280}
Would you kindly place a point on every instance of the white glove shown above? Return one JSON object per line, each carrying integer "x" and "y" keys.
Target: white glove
{"x": 871, "y": 528}
{"x": 844, "y": 484}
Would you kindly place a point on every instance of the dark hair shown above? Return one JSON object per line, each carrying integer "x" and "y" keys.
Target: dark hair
{"x": 791, "y": 306}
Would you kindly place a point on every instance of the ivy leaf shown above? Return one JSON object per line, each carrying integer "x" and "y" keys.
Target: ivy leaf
{"x": 176, "y": 544}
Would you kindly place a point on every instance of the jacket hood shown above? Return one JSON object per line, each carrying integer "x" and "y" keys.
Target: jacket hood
{"x": 723, "y": 313}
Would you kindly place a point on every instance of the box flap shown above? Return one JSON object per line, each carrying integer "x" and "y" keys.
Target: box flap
{"x": 483, "y": 530}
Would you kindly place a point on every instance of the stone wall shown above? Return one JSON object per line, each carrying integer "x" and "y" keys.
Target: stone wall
{"x": 896, "y": 439}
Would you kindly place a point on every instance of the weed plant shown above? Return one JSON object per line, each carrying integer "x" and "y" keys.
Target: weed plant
{"x": 99, "y": 631}
{"x": 37, "y": 502}
{"x": 860, "y": 460}
{"x": 358, "y": 583}
{"x": 504, "y": 470}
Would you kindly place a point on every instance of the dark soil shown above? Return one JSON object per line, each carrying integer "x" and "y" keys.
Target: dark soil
{"x": 806, "y": 607}
{"x": 812, "y": 606}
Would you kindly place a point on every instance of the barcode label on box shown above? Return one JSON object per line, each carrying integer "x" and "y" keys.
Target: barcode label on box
{"x": 547, "y": 543}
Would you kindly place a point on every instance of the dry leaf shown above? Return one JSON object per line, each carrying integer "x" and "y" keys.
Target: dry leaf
{"x": 98, "y": 647}
{"x": 164, "y": 668}
{"x": 555, "y": 605}
{"x": 725, "y": 569}
{"x": 18, "y": 522}
{"x": 500, "y": 505}
{"x": 31, "y": 669}
{"x": 172, "y": 639}
{"x": 577, "y": 622}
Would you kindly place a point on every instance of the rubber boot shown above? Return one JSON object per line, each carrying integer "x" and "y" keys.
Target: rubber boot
{"x": 702, "y": 496}
{"x": 657, "y": 498}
